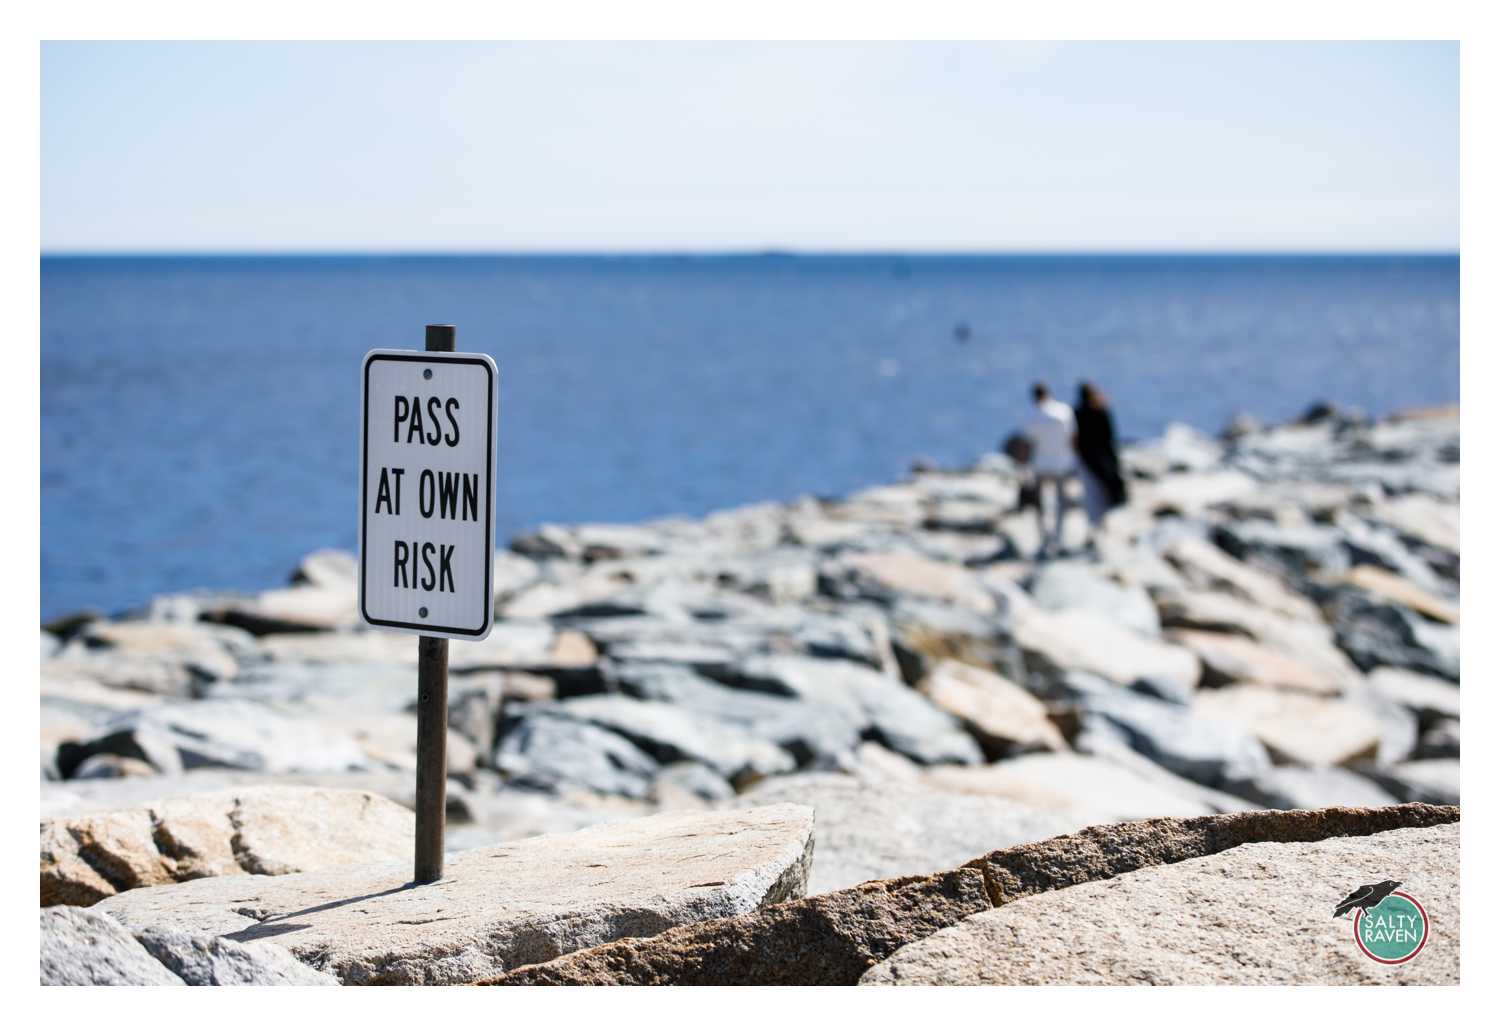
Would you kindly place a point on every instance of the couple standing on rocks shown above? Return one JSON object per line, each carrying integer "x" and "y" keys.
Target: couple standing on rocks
{"x": 1063, "y": 442}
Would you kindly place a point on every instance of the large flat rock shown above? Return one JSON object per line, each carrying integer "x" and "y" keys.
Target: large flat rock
{"x": 262, "y": 830}
{"x": 834, "y": 938}
{"x": 501, "y": 907}
{"x": 1254, "y": 915}
{"x": 1054, "y": 642}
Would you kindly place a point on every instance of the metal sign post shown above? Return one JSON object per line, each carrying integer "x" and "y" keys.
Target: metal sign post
{"x": 426, "y": 533}
{"x": 432, "y": 718}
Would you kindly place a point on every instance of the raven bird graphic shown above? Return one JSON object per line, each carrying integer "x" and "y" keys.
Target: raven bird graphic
{"x": 1367, "y": 897}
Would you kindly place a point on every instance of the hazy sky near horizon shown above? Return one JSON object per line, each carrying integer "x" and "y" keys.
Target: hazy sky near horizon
{"x": 689, "y": 146}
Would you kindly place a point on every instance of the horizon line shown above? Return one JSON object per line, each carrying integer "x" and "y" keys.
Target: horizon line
{"x": 728, "y": 253}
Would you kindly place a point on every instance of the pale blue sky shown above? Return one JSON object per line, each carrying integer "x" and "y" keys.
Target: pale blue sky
{"x": 632, "y": 146}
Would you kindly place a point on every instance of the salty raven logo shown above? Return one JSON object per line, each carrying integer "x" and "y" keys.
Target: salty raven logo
{"x": 1390, "y": 925}
{"x": 1366, "y": 897}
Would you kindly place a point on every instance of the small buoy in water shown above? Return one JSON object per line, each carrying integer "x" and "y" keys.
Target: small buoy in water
{"x": 961, "y": 331}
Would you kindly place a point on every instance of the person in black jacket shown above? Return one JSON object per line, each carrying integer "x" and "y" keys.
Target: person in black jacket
{"x": 1099, "y": 463}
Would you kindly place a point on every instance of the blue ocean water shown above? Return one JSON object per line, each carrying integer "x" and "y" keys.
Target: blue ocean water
{"x": 200, "y": 415}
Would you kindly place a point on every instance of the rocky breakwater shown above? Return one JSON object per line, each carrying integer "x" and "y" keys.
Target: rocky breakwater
{"x": 1271, "y": 622}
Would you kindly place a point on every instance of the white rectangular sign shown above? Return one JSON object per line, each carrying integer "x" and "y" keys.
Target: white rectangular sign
{"x": 427, "y": 493}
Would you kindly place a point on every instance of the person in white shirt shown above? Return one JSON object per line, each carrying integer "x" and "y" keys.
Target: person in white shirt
{"x": 1052, "y": 430}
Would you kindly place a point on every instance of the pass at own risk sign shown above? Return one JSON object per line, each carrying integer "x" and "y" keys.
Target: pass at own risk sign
{"x": 427, "y": 492}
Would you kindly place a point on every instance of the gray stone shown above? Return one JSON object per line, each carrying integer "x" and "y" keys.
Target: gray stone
{"x": 336, "y": 647}
{"x": 689, "y": 783}
{"x": 1229, "y": 659}
{"x": 297, "y": 609}
{"x": 893, "y": 713}
{"x": 1439, "y": 741}
{"x": 886, "y": 576}
{"x": 1003, "y": 717}
{"x": 159, "y": 658}
{"x": 591, "y": 542}
{"x": 388, "y": 740}
{"x": 817, "y": 736}
{"x": 1431, "y": 698}
{"x": 925, "y": 633}
{"x": 512, "y": 644}
{"x": 220, "y": 962}
{"x": 1377, "y": 633}
{"x": 1399, "y": 726}
{"x": 200, "y": 646}
{"x": 1294, "y": 552}
{"x": 319, "y": 685}
{"x": 328, "y": 568}
{"x": 1288, "y": 445}
{"x": 84, "y": 948}
{"x": 1420, "y": 519}
{"x": 1394, "y": 479}
{"x": 513, "y": 574}
{"x": 1076, "y": 640}
{"x": 671, "y": 598}
{"x": 1434, "y": 781}
{"x": 669, "y": 734}
{"x": 1180, "y": 448}
{"x": 654, "y": 639}
{"x": 474, "y": 709}
{"x": 860, "y": 639}
{"x": 715, "y": 644}
{"x": 1191, "y": 494}
{"x": 1298, "y": 728}
{"x": 1110, "y": 745}
{"x": 105, "y": 766}
{"x": 1308, "y": 641}
{"x": 228, "y": 733}
{"x": 1133, "y": 562}
{"x": 870, "y": 831}
{"x": 1064, "y": 586}
{"x": 498, "y": 815}
{"x": 1286, "y": 500}
{"x": 1214, "y": 753}
{"x": 1081, "y": 788}
{"x": 551, "y": 754}
{"x": 1163, "y": 690}
{"x": 1315, "y": 787}
{"x": 1089, "y": 933}
{"x": 502, "y": 907}
{"x": 1384, "y": 565}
